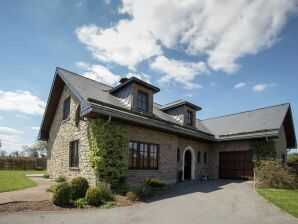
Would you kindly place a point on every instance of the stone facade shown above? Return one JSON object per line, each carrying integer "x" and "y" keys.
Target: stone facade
{"x": 63, "y": 132}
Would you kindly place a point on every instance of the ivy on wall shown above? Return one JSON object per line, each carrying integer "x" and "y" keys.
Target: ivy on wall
{"x": 263, "y": 149}
{"x": 109, "y": 152}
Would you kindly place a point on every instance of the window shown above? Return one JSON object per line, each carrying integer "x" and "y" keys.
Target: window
{"x": 178, "y": 154}
{"x": 143, "y": 155}
{"x": 199, "y": 156}
{"x": 74, "y": 154}
{"x": 205, "y": 157}
{"x": 189, "y": 117}
{"x": 142, "y": 104}
{"x": 66, "y": 108}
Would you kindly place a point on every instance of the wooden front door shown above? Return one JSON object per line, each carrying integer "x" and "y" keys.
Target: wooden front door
{"x": 187, "y": 165}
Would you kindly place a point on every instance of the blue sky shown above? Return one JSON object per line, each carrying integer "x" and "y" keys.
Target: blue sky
{"x": 223, "y": 62}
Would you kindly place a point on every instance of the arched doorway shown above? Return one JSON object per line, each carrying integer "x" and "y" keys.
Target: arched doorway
{"x": 187, "y": 165}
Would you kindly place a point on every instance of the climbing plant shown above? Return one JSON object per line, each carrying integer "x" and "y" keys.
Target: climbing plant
{"x": 109, "y": 152}
{"x": 263, "y": 149}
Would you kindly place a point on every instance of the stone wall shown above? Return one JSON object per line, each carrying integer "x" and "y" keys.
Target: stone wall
{"x": 63, "y": 132}
{"x": 281, "y": 144}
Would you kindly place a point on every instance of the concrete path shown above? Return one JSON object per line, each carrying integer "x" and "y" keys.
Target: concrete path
{"x": 37, "y": 193}
{"x": 195, "y": 202}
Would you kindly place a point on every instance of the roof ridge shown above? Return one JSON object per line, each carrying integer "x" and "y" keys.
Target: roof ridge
{"x": 74, "y": 73}
{"x": 172, "y": 102}
{"x": 247, "y": 111}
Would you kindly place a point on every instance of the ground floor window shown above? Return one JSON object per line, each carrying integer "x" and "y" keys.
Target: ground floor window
{"x": 143, "y": 155}
{"x": 205, "y": 157}
{"x": 74, "y": 154}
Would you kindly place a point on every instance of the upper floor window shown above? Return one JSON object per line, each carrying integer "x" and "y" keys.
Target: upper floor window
{"x": 189, "y": 117}
{"x": 142, "y": 101}
{"x": 143, "y": 155}
{"x": 66, "y": 108}
{"x": 74, "y": 154}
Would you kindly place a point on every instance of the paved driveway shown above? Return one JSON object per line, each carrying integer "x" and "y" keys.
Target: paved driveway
{"x": 190, "y": 202}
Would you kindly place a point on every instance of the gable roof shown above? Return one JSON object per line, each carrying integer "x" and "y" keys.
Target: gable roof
{"x": 95, "y": 97}
{"x": 259, "y": 122}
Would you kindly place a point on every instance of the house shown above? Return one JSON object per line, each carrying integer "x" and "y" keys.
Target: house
{"x": 171, "y": 136}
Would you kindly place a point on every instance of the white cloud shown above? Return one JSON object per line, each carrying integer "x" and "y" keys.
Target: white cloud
{"x": 179, "y": 71}
{"x": 10, "y": 130}
{"x": 11, "y": 143}
{"x": 263, "y": 86}
{"x": 23, "y": 101}
{"x": 99, "y": 73}
{"x": 35, "y": 128}
{"x": 239, "y": 85}
{"x": 223, "y": 31}
{"x": 22, "y": 117}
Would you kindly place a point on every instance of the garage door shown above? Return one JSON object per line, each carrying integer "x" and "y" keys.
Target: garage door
{"x": 236, "y": 165}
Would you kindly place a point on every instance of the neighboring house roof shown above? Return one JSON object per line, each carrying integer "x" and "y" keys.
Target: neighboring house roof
{"x": 96, "y": 97}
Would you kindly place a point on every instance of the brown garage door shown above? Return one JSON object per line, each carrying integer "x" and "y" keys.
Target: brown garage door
{"x": 236, "y": 165}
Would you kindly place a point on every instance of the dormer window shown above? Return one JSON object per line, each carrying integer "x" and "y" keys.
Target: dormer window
{"x": 142, "y": 101}
{"x": 189, "y": 117}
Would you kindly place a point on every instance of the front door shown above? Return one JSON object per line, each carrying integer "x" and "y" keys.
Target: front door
{"x": 187, "y": 165}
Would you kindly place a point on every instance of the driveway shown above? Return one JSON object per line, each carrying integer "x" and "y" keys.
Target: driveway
{"x": 37, "y": 193}
{"x": 196, "y": 202}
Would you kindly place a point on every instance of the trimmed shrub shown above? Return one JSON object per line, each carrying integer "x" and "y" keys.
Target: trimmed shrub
{"x": 79, "y": 187}
{"x": 93, "y": 196}
{"x": 79, "y": 203}
{"x": 154, "y": 183}
{"x": 52, "y": 188}
{"x": 60, "y": 179}
{"x": 61, "y": 194}
{"x": 272, "y": 173}
{"x": 105, "y": 191}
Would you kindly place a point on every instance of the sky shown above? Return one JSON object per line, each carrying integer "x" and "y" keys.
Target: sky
{"x": 224, "y": 56}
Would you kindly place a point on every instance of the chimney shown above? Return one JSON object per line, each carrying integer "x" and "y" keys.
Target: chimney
{"x": 122, "y": 80}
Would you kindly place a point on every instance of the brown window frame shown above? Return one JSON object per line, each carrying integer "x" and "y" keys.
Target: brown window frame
{"x": 66, "y": 108}
{"x": 189, "y": 117}
{"x": 142, "y": 102}
{"x": 138, "y": 160}
{"x": 74, "y": 158}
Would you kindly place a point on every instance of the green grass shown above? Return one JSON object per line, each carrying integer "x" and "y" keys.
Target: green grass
{"x": 11, "y": 180}
{"x": 287, "y": 200}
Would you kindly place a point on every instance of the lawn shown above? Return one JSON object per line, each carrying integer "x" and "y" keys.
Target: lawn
{"x": 287, "y": 200}
{"x": 11, "y": 180}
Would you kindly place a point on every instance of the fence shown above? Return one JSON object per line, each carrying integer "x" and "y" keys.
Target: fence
{"x": 23, "y": 163}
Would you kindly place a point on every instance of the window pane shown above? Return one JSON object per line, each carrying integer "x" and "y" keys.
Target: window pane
{"x": 66, "y": 108}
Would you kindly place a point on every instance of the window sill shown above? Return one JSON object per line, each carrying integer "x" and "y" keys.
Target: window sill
{"x": 74, "y": 168}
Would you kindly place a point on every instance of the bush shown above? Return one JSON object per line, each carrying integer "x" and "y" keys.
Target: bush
{"x": 271, "y": 173}
{"x": 143, "y": 191}
{"x": 52, "y": 188}
{"x": 46, "y": 176}
{"x": 60, "y": 179}
{"x": 61, "y": 194}
{"x": 93, "y": 196}
{"x": 154, "y": 183}
{"x": 109, "y": 205}
{"x": 79, "y": 187}
{"x": 79, "y": 203}
{"x": 133, "y": 196}
{"x": 105, "y": 191}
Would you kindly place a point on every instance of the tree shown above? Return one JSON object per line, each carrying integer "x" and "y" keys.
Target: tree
{"x": 38, "y": 149}
{"x": 14, "y": 154}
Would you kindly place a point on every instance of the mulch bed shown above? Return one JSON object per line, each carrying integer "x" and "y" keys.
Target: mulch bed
{"x": 30, "y": 206}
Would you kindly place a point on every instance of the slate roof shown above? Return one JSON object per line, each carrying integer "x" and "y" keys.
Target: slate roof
{"x": 96, "y": 97}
